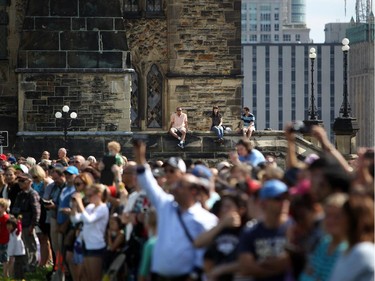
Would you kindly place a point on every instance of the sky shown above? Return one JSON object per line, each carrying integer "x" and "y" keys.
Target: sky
{"x": 320, "y": 12}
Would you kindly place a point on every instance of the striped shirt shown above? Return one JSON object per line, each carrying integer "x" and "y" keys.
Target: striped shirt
{"x": 321, "y": 262}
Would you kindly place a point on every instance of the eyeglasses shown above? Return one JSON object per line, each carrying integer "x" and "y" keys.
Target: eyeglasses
{"x": 170, "y": 171}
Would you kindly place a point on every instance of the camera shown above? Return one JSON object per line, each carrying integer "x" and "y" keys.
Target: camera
{"x": 300, "y": 127}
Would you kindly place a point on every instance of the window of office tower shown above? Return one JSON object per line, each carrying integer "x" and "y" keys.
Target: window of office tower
{"x": 287, "y": 37}
{"x": 265, "y": 7}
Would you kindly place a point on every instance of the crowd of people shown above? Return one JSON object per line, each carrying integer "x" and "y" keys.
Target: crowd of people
{"x": 246, "y": 218}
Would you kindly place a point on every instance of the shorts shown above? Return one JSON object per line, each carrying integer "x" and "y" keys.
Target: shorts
{"x": 179, "y": 130}
{"x": 3, "y": 253}
{"x": 92, "y": 253}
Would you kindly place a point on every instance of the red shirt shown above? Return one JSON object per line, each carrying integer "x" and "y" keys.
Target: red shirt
{"x": 4, "y": 234}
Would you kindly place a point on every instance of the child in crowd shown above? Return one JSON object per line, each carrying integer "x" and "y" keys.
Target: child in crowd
{"x": 115, "y": 238}
{"x": 4, "y": 235}
{"x": 16, "y": 248}
{"x": 151, "y": 226}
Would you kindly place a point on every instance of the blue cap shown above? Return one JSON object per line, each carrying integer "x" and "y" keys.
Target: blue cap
{"x": 72, "y": 170}
{"x": 272, "y": 189}
{"x": 12, "y": 159}
{"x": 201, "y": 171}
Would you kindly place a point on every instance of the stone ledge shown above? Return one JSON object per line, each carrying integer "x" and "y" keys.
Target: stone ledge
{"x": 74, "y": 70}
{"x": 200, "y": 145}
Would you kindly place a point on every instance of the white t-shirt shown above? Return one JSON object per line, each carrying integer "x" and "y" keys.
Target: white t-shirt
{"x": 95, "y": 220}
{"x": 356, "y": 265}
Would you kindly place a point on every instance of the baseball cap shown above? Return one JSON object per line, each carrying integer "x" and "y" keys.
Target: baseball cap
{"x": 12, "y": 159}
{"x": 72, "y": 170}
{"x": 177, "y": 163}
{"x": 222, "y": 165}
{"x": 21, "y": 167}
{"x": 272, "y": 189}
{"x": 3, "y": 157}
{"x": 24, "y": 176}
{"x": 204, "y": 175}
{"x": 158, "y": 172}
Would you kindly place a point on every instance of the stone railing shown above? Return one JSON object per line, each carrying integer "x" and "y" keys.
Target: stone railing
{"x": 200, "y": 145}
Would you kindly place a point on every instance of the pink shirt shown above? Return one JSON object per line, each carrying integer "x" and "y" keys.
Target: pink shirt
{"x": 178, "y": 121}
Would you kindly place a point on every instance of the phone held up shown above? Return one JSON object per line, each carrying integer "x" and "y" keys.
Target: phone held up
{"x": 300, "y": 127}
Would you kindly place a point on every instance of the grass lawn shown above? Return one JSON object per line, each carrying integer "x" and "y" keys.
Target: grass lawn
{"x": 38, "y": 275}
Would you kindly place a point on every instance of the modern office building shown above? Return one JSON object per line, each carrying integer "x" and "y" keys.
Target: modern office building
{"x": 270, "y": 21}
{"x": 334, "y": 32}
{"x": 277, "y": 83}
{"x": 361, "y": 78}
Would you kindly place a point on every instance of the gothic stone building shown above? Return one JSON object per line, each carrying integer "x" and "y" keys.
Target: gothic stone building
{"x": 122, "y": 65}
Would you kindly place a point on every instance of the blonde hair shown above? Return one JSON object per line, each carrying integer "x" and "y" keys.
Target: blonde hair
{"x": 99, "y": 188}
{"x": 5, "y": 203}
{"x": 37, "y": 171}
{"x": 114, "y": 145}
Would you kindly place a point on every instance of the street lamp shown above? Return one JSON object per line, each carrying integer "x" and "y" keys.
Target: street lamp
{"x": 65, "y": 114}
{"x": 345, "y": 107}
{"x": 312, "y": 109}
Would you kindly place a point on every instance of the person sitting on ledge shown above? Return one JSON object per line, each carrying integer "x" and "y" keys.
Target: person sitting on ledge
{"x": 248, "y": 123}
{"x": 179, "y": 124}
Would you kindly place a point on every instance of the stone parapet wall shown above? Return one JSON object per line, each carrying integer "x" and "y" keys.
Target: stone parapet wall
{"x": 198, "y": 95}
{"x": 99, "y": 99}
{"x": 200, "y": 145}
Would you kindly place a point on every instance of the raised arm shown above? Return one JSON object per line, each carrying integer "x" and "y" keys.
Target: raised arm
{"x": 291, "y": 157}
{"x": 320, "y": 134}
{"x": 145, "y": 178}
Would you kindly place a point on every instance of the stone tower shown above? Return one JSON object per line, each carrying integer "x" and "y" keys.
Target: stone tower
{"x": 122, "y": 65}
{"x": 185, "y": 53}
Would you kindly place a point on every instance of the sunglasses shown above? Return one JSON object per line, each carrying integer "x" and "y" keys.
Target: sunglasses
{"x": 78, "y": 183}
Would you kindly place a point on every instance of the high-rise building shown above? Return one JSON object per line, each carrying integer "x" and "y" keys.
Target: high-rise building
{"x": 334, "y": 32}
{"x": 361, "y": 76}
{"x": 270, "y": 21}
{"x": 277, "y": 83}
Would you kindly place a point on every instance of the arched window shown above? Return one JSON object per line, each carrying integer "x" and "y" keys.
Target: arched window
{"x": 153, "y": 6}
{"x": 134, "y": 101}
{"x": 3, "y": 34}
{"x": 131, "y": 5}
{"x": 154, "y": 98}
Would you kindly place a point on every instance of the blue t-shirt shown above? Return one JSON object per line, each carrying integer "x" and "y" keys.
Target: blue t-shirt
{"x": 64, "y": 202}
{"x": 264, "y": 243}
{"x": 254, "y": 158}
